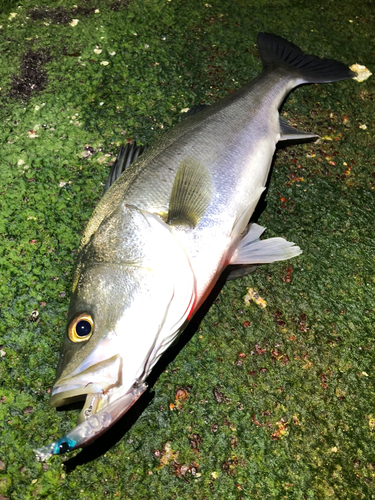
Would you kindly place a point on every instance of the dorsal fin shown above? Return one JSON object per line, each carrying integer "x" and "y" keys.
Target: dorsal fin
{"x": 126, "y": 156}
{"x": 191, "y": 193}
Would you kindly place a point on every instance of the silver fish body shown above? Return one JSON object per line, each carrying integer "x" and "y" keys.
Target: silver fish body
{"x": 163, "y": 233}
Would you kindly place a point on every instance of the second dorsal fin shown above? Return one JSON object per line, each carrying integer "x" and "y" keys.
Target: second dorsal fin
{"x": 194, "y": 110}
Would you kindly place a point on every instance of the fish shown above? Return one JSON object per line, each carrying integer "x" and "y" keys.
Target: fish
{"x": 173, "y": 218}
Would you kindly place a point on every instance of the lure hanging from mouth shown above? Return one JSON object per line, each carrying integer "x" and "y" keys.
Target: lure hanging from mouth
{"x": 92, "y": 427}
{"x": 172, "y": 219}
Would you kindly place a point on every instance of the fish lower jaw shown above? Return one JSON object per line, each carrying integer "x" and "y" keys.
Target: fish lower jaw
{"x": 96, "y": 398}
{"x": 99, "y": 400}
{"x": 94, "y": 426}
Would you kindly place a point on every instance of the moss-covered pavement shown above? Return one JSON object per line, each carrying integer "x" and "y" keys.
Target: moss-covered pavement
{"x": 255, "y": 402}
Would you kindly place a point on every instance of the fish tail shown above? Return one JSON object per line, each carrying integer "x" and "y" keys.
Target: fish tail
{"x": 276, "y": 51}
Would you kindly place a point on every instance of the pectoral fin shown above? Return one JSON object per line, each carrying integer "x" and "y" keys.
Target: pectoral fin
{"x": 289, "y": 133}
{"x": 252, "y": 250}
{"x": 191, "y": 193}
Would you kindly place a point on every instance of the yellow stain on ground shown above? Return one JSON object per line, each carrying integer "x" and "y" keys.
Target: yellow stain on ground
{"x": 371, "y": 423}
{"x": 254, "y": 296}
{"x": 168, "y": 455}
{"x": 281, "y": 430}
{"x": 362, "y": 72}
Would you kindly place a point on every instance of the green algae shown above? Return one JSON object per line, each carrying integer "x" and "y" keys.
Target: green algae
{"x": 280, "y": 397}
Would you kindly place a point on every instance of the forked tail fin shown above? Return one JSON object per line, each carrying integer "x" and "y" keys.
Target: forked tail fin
{"x": 276, "y": 51}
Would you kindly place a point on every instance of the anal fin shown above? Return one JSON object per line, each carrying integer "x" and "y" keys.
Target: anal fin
{"x": 289, "y": 133}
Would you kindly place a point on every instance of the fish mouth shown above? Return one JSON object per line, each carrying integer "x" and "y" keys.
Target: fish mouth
{"x": 93, "y": 426}
{"x": 95, "y": 384}
{"x": 107, "y": 399}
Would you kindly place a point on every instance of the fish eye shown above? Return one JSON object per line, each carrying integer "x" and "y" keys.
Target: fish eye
{"x": 81, "y": 328}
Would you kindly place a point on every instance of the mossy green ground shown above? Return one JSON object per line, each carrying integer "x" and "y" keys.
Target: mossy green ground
{"x": 276, "y": 402}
